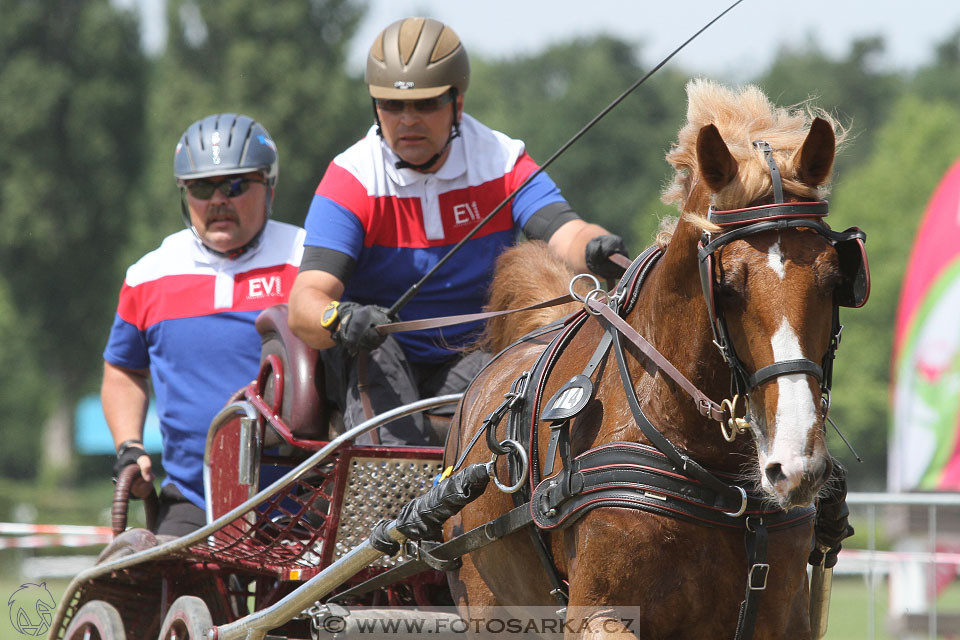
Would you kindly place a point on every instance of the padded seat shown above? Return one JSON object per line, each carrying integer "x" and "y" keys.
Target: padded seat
{"x": 302, "y": 406}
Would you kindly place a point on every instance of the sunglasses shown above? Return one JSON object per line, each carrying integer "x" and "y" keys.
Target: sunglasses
{"x": 203, "y": 189}
{"x": 427, "y": 105}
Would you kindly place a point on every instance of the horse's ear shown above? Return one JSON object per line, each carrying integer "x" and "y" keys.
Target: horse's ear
{"x": 717, "y": 165}
{"x": 815, "y": 156}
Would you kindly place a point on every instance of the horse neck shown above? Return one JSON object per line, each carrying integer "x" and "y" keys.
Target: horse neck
{"x": 672, "y": 315}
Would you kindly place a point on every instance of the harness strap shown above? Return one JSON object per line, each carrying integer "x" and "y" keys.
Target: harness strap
{"x": 705, "y": 405}
{"x": 635, "y": 476}
{"x": 755, "y": 540}
{"x": 764, "y": 146}
{"x": 681, "y": 460}
{"x": 800, "y": 365}
{"x": 777, "y": 210}
{"x": 628, "y": 291}
{"x": 560, "y": 431}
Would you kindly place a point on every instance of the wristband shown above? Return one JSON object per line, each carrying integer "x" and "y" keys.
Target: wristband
{"x": 127, "y": 444}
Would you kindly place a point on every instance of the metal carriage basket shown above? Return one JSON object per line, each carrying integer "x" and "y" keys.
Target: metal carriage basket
{"x": 249, "y": 564}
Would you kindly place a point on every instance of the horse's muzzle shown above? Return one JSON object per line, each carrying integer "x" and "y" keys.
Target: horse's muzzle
{"x": 794, "y": 482}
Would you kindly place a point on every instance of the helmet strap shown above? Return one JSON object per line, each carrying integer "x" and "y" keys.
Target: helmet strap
{"x": 376, "y": 116}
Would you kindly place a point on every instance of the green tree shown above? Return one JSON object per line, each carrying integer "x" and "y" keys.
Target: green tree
{"x": 940, "y": 80}
{"x": 71, "y": 100}
{"x": 855, "y": 89}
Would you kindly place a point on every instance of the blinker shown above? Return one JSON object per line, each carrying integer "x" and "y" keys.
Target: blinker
{"x": 855, "y": 288}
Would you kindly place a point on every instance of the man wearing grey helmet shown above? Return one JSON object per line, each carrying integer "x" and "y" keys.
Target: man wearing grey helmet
{"x": 185, "y": 319}
{"x": 390, "y": 207}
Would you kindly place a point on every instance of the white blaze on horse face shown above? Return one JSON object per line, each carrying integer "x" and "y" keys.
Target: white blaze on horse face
{"x": 775, "y": 260}
{"x": 796, "y": 412}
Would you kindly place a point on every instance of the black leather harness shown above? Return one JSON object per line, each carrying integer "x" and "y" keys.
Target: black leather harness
{"x": 659, "y": 479}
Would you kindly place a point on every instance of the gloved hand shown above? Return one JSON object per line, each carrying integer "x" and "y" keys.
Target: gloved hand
{"x": 832, "y": 524}
{"x": 128, "y": 454}
{"x": 832, "y": 555}
{"x": 599, "y": 251}
{"x": 357, "y": 327}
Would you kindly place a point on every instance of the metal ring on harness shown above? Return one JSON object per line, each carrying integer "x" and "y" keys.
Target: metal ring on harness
{"x": 573, "y": 294}
{"x": 736, "y": 425}
{"x": 743, "y": 504}
{"x": 595, "y": 294}
{"x": 524, "y": 465}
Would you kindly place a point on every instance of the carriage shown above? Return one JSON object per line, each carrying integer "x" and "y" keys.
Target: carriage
{"x": 620, "y": 480}
{"x": 261, "y": 546}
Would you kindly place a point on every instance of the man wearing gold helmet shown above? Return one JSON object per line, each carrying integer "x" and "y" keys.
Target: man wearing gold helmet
{"x": 392, "y": 205}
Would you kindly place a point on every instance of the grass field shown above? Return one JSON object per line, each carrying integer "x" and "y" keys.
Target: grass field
{"x": 849, "y": 608}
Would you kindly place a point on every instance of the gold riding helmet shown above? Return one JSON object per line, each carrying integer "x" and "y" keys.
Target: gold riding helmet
{"x": 416, "y": 58}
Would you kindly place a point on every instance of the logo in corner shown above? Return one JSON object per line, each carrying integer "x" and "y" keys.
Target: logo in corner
{"x": 267, "y": 142}
{"x": 31, "y": 609}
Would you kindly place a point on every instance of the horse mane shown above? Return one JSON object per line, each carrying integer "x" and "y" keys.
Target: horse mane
{"x": 525, "y": 274}
{"x": 741, "y": 115}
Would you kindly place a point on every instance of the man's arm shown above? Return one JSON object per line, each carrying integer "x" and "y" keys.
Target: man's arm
{"x": 312, "y": 291}
{"x": 570, "y": 242}
{"x": 125, "y": 397}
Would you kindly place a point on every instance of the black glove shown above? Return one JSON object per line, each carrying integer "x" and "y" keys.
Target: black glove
{"x": 356, "y": 330}
{"x": 129, "y": 454}
{"x": 599, "y": 251}
{"x": 832, "y": 523}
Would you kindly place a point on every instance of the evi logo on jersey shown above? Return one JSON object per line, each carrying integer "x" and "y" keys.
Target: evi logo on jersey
{"x": 264, "y": 287}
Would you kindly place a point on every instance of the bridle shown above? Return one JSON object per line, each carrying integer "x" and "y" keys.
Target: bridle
{"x": 737, "y": 224}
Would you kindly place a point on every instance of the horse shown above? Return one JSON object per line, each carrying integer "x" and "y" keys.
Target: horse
{"x": 640, "y": 498}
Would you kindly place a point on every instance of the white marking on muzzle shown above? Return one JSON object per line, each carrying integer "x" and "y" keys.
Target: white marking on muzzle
{"x": 796, "y": 409}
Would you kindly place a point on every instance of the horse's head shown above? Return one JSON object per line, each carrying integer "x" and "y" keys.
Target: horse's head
{"x": 772, "y": 277}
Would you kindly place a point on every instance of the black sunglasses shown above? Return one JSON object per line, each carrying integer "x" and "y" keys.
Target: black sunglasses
{"x": 426, "y": 105}
{"x": 203, "y": 189}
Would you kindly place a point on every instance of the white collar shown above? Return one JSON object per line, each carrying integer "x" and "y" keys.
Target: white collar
{"x": 454, "y": 166}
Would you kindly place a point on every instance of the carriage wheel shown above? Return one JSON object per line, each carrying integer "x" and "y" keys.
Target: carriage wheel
{"x": 96, "y": 620}
{"x": 188, "y": 618}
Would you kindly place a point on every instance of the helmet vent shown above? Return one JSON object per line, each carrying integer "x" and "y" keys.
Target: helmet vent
{"x": 377, "y": 49}
{"x": 447, "y": 43}
{"x": 409, "y": 35}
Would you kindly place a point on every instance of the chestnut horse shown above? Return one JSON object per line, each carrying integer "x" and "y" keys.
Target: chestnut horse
{"x": 639, "y": 497}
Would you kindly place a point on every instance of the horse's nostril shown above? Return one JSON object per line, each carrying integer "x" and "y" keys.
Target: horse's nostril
{"x": 774, "y": 472}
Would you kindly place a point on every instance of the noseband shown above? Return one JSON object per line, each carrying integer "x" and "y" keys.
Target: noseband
{"x": 778, "y": 216}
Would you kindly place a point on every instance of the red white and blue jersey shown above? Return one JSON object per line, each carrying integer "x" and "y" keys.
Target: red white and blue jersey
{"x": 398, "y": 223}
{"x": 188, "y": 315}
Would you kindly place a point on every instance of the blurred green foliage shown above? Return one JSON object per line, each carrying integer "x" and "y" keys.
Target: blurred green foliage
{"x": 90, "y": 126}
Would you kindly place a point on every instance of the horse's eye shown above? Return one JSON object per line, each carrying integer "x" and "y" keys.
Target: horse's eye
{"x": 828, "y": 276}
{"x": 731, "y": 284}
{"x": 729, "y": 291}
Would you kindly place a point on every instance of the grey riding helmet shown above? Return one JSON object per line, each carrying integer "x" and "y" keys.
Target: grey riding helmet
{"x": 225, "y": 144}
{"x": 221, "y": 145}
